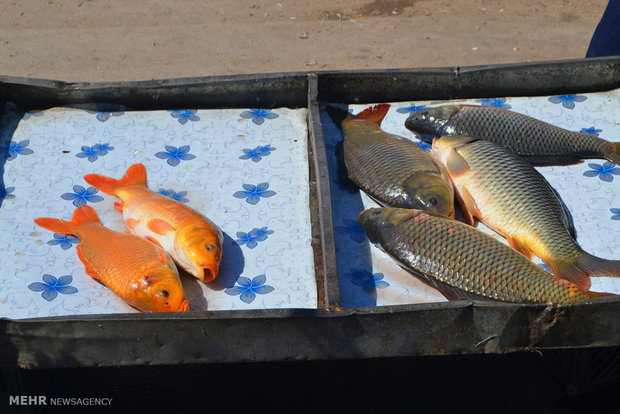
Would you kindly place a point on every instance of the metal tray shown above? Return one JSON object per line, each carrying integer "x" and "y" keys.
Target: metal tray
{"x": 329, "y": 332}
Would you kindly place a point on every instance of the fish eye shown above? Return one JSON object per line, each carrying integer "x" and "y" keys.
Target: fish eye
{"x": 163, "y": 294}
{"x": 375, "y": 213}
{"x": 210, "y": 247}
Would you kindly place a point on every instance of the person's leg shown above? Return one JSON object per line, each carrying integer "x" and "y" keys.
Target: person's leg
{"x": 606, "y": 38}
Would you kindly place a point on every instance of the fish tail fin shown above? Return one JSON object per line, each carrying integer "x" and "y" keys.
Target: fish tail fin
{"x": 614, "y": 154}
{"x": 586, "y": 265}
{"x": 135, "y": 175}
{"x": 374, "y": 114}
{"x": 82, "y": 215}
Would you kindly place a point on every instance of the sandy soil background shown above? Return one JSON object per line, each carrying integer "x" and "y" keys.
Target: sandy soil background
{"x": 116, "y": 40}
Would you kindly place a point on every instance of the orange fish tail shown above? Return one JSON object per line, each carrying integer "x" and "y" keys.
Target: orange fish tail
{"x": 374, "y": 114}
{"x": 82, "y": 215}
{"x": 135, "y": 175}
{"x": 614, "y": 153}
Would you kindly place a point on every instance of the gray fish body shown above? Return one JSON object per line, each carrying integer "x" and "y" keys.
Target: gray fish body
{"x": 541, "y": 143}
{"x": 459, "y": 256}
{"x": 508, "y": 194}
{"x": 394, "y": 170}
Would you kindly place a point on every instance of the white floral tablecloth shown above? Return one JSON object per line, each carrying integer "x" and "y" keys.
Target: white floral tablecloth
{"x": 591, "y": 190}
{"x": 247, "y": 170}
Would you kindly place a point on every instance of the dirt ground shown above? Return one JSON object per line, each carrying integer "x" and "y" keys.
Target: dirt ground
{"x": 117, "y": 40}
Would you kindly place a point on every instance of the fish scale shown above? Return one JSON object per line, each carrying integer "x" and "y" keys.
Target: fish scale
{"x": 462, "y": 257}
{"x": 509, "y": 195}
{"x": 381, "y": 165}
{"x": 540, "y": 142}
{"x": 524, "y": 204}
{"x": 513, "y": 130}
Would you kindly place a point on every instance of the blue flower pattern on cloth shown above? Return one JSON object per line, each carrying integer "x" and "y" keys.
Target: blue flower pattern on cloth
{"x": 496, "y": 102}
{"x": 19, "y": 148}
{"x": 567, "y": 101}
{"x": 184, "y": 115}
{"x": 615, "y": 213}
{"x": 591, "y": 131}
{"x": 352, "y": 229}
{"x": 410, "y": 109}
{"x": 104, "y": 112}
{"x": 257, "y": 153}
{"x": 369, "y": 282}
{"x": 94, "y": 152}
{"x": 64, "y": 240}
{"x": 174, "y": 155}
{"x": 258, "y": 116}
{"x": 251, "y": 238}
{"x": 247, "y": 289}
{"x": 605, "y": 172}
{"x": 180, "y": 196}
{"x": 253, "y": 193}
{"x": 81, "y": 195}
{"x": 52, "y": 286}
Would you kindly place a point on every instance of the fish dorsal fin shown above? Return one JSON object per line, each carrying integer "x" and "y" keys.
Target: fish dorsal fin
{"x": 135, "y": 175}
{"x": 81, "y": 216}
{"x": 374, "y": 114}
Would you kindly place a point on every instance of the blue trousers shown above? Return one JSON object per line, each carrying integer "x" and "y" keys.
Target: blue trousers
{"x": 606, "y": 38}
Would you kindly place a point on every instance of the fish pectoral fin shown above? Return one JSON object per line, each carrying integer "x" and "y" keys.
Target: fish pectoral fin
{"x": 153, "y": 240}
{"x": 159, "y": 226}
{"x": 468, "y": 206}
{"x": 131, "y": 223}
{"x": 519, "y": 246}
{"x": 163, "y": 258}
{"x": 456, "y": 164}
{"x": 119, "y": 205}
{"x": 89, "y": 270}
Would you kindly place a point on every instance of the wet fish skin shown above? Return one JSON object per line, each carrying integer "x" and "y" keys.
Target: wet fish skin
{"x": 392, "y": 169}
{"x": 461, "y": 258}
{"x": 506, "y": 193}
{"x": 136, "y": 270}
{"x": 193, "y": 241}
{"x": 540, "y": 142}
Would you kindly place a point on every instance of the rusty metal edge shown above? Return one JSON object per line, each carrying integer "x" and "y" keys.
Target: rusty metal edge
{"x": 239, "y": 336}
{"x": 328, "y": 244}
{"x": 294, "y": 334}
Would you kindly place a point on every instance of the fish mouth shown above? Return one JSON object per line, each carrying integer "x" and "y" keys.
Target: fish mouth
{"x": 206, "y": 273}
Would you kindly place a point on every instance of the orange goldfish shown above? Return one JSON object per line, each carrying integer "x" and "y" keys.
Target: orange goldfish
{"x": 192, "y": 240}
{"x": 138, "y": 271}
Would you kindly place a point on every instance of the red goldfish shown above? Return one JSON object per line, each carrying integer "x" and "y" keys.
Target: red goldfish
{"x": 192, "y": 240}
{"x": 138, "y": 271}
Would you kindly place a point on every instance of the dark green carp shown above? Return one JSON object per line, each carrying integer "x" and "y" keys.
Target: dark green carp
{"x": 463, "y": 262}
{"x": 508, "y": 194}
{"x": 541, "y": 143}
{"x": 392, "y": 169}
